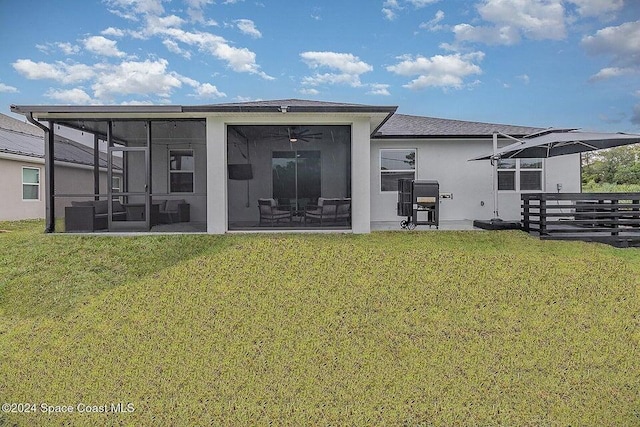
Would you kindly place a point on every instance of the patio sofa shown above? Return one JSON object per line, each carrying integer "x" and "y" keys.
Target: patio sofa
{"x": 91, "y": 215}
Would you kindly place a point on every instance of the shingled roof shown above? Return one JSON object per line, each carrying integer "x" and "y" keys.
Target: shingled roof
{"x": 406, "y": 126}
{"x": 24, "y": 139}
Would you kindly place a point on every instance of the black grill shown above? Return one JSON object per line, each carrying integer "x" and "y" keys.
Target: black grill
{"x": 418, "y": 200}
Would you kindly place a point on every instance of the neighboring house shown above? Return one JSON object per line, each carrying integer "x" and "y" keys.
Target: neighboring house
{"x": 288, "y": 156}
{"x": 22, "y": 167}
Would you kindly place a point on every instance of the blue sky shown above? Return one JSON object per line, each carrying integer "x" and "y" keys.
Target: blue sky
{"x": 529, "y": 62}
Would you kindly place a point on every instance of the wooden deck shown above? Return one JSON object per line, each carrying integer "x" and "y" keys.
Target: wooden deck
{"x": 612, "y": 218}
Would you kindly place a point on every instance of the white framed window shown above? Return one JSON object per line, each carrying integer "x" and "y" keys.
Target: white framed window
{"x": 116, "y": 185}
{"x": 30, "y": 183}
{"x": 520, "y": 175}
{"x": 396, "y": 163}
{"x": 181, "y": 171}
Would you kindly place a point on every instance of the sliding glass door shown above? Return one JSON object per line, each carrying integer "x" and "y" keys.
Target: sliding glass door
{"x": 297, "y": 177}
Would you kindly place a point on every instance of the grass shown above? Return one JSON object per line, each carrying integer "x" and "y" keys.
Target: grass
{"x": 605, "y": 187}
{"x": 397, "y": 328}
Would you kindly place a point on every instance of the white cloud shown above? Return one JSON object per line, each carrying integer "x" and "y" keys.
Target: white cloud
{"x": 64, "y": 47}
{"x": 447, "y": 71}
{"x": 309, "y": 91}
{"x": 130, "y": 8}
{"x": 44, "y": 48}
{"x": 111, "y": 31}
{"x": 156, "y": 25}
{"x": 209, "y": 91}
{"x": 505, "y": 35}
{"x": 175, "y": 48}
{"x": 70, "y": 96}
{"x": 102, "y": 46}
{"x": 8, "y": 89}
{"x": 138, "y": 102}
{"x": 246, "y": 99}
{"x": 349, "y": 68}
{"x": 195, "y": 9}
{"x": 59, "y": 71}
{"x": 38, "y": 70}
{"x": 434, "y": 24}
{"x": 68, "y": 48}
{"x": 110, "y": 81}
{"x": 524, "y": 78}
{"x": 345, "y": 62}
{"x": 332, "y": 79}
{"x": 389, "y": 9}
{"x": 621, "y": 43}
{"x": 610, "y": 72}
{"x": 389, "y": 14}
{"x": 422, "y": 3}
{"x": 248, "y": 27}
{"x": 510, "y": 20}
{"x": 597, "y": 8}
{"x": 135, "y": 77}
{"x": 125, "y": 15}
{"x": 379, "y": 89}
{"x": 239, "y": 59}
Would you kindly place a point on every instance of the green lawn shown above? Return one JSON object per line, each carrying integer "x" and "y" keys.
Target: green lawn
{"x": 392, "y": 328}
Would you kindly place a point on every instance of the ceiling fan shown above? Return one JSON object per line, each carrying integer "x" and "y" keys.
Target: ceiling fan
{"x": 295, "y": 134}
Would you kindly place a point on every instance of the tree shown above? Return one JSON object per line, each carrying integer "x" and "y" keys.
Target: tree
{"x": 618, "y": 165}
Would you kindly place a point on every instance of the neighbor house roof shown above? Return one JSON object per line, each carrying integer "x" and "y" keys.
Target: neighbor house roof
{"x": 23, "y": 139}
{"x": 9, "y": 123}
{"x": 406, "y": 126}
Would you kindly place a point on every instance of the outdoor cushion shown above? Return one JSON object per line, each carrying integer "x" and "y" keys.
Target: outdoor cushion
{"x": 87, "y": 203}
{"x": 101, "y": 206}
{"x": 117, "y": 206}
{"x": 271, "y": 201}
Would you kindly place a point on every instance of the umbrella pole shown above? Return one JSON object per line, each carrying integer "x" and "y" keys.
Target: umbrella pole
{"x": 494, "y": 163}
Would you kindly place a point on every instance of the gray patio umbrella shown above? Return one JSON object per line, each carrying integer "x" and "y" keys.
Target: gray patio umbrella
{"x": 558, "y": 142}
{"x": 550, "y": 143}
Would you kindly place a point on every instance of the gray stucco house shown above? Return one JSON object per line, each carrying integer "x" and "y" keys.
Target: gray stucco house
{"x": 22, "y": 165}
{"x": 293, "y": 164}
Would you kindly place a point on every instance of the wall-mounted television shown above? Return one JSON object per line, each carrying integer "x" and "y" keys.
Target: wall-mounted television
{"x": 240, "y": 172}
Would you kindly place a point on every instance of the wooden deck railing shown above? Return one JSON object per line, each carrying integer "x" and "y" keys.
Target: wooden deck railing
{"x": 605, "y": 217}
